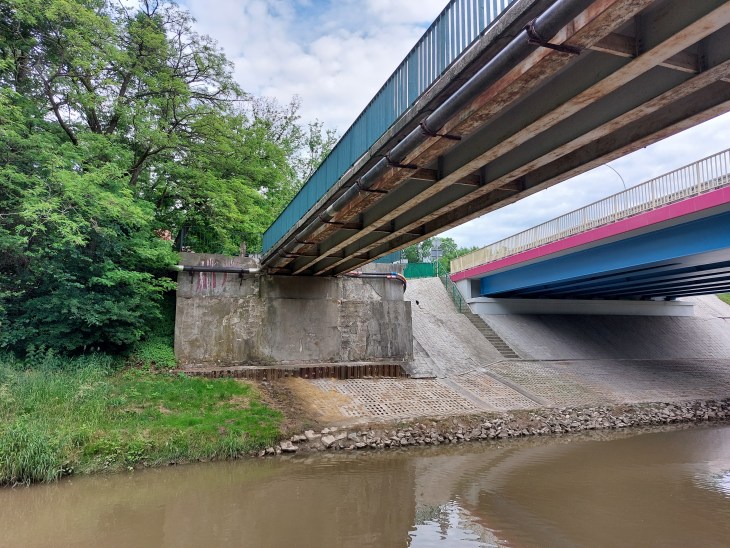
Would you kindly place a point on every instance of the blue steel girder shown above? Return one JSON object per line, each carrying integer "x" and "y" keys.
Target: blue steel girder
{"x": 649, "y": 68}
{"x": 647, "y": 265}
{"x": 636, "y": 281}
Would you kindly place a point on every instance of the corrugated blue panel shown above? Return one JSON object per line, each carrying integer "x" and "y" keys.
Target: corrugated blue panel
{"x": 453, "y": 31}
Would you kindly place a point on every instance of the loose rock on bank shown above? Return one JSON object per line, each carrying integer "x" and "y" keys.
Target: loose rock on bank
{"x": 501, "y": 426}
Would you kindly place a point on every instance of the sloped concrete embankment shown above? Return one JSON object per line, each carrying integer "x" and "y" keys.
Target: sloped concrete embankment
{"x": 563, "y": 337}
{"x": 564, "y": 361}
{"x": 445, "y": 342}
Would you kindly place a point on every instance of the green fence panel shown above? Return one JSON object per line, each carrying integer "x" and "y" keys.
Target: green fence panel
{"x": 389, "y": 258}
{"x": 420, "y": 270}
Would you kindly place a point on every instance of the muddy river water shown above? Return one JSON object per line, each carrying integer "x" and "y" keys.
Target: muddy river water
{"x": 657, "y": 488}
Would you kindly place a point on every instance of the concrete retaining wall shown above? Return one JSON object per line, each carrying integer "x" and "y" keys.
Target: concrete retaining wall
{"x": 224, "y": 318}
{"x": 556, "y": 337}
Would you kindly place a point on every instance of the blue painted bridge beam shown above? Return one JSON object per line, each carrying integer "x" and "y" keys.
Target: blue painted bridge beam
{"x": 666, "y": 262}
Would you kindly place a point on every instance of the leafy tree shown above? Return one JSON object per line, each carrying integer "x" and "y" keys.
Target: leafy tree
{"x": 305, "y": 145}
{"x": 118, "y": 124}
{"x": 79, "y": 254}
{"x": 421, "y": 252}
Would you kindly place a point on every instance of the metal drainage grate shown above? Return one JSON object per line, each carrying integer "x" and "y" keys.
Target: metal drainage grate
{"x": 397, "y": 398}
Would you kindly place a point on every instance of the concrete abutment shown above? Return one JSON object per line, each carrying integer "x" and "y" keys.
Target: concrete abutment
{"x": 227, "y": 318}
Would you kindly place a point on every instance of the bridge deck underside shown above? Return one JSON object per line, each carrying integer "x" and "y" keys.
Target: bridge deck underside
{"x": 648, "y": 69}
{"x": 691, "y": 258}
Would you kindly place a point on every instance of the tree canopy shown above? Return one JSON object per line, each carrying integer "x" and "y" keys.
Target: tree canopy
{"x": 421, "y": 252}
{"x": 120, "y": 125}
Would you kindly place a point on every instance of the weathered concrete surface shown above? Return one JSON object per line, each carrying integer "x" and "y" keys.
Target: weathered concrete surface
{"x": 563, "y": 337}
{"x": 224, "y": 318}
{"x": 445, "y": 341}
{"x": 383, "y": 267}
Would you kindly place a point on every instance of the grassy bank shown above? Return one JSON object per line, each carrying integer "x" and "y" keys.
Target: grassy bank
{"x": 60, "y": 417}
{"x": 725, "y": 297}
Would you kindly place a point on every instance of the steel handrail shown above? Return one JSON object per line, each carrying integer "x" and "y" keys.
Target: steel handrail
{"x": 458, "y": 25}
{"x": 691, "y": 180}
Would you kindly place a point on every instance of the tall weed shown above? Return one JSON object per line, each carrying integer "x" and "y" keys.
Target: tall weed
{"x": 29, "y": 454}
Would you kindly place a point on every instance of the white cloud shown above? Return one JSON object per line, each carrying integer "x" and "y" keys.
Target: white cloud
{"x": 334, "y": 55}
{"x": 413, "y": 11}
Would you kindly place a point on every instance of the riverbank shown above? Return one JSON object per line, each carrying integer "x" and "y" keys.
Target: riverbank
{"x": 93, "y": 417}
{"x": 502, "y": 426}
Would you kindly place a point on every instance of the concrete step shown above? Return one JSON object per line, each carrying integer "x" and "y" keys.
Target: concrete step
{"x": 487, "y": 332}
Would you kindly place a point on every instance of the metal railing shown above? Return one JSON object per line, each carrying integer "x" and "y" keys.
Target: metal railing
{"x": 692, "y": 180}
{"x": 458, "y": 25}
{"x": 454, "y": 293}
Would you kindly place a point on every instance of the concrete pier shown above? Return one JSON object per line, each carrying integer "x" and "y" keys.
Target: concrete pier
{"x": 224, "y": 318}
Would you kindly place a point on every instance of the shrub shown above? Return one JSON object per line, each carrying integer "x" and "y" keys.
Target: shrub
{"x": 154, "y": 352}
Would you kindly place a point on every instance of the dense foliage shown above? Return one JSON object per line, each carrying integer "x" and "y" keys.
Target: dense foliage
{"x": 119, "y": 127}
{"x": 421, "y": 252}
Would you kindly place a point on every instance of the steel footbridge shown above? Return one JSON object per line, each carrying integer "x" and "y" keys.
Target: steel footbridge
{"x": 499, "y": 100}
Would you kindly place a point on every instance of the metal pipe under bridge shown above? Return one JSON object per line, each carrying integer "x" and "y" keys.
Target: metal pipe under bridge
{"x": 499, "y": 100}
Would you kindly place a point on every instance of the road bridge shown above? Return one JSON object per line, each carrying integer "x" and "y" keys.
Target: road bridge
{"x": 666, "y": 238}
{"x": 497, "y": 101}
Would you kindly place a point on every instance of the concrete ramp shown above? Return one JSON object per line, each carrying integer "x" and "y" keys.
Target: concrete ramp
{"x": 564, "y": 361}
{"x": 556, "y": 337}
{"x": 445, "y": 343}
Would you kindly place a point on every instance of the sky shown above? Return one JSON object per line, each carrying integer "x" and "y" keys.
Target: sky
{"x": 335, "y": 55}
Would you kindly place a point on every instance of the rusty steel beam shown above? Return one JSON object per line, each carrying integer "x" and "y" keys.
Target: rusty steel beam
{"x": 562, "y": 168}
{"x": 654, "y": 56}
{"x": 496, "y": 65}
{"x": 447, "y": 178}
{"x": 627, "y": 46}
{"x": 540, "y": 65}
{"x": 587, "y": 157}
{"x": 483, "y": 200}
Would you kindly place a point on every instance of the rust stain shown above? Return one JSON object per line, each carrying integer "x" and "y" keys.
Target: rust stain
{"x": 503, "y": 93}
{"x": 594, "y": 24}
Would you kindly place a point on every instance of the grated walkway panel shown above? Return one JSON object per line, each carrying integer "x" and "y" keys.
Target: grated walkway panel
{"x": 498, "y": 395}
{"x": 589, "y": 382}
{"x": 391, "y": 398}
{"x": 555, "y": 384}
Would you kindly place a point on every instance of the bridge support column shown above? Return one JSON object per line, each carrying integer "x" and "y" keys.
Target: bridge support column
{"x": 485, "y": 306}
{"x": 468, "y": 288}
{"x": 224, "y": 318}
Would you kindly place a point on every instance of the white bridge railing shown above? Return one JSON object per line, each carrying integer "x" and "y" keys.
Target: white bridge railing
{"x": 708, "y": 174}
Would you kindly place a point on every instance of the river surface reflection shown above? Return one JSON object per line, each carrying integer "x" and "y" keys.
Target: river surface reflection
{"x": 660, "y": 488}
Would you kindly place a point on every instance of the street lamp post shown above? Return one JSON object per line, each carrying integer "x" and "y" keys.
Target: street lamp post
{"x": 617, "y": 173}
{"x": 436, "y": 253}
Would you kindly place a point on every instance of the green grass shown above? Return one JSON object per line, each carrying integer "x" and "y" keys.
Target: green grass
{"x": 85, "y": 415}
{"x": 725, "y": 297}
